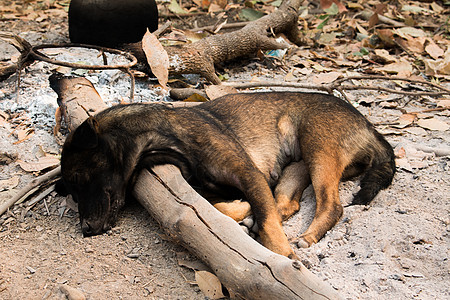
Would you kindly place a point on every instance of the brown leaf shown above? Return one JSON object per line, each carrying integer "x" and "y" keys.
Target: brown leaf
{"x": 433, "y": 50}
{"x": 379, "y": 9}
{"x": 402, "y": 68}
{"x": 405, "y": 120}
{"x": 23, "y": 135}
{"x": 42, "y": 164}
{"x": 195, "y": 265}
{"x": 209, "y": 284}
{"x": 386, "y": 36}
{"x": 382, "y": 56}
{"x": 433, "y": 124}
{"x": 195, "y": 98}
{"x": 412, "y": 44}
{"x": 439, "y": 66}
{"x": 157, "y": 57}
{"x": 444, "y": 103}
{"x": 327, "y": 3}
{"x": 216, "y": 91}
{"x": 8, "y": 184}
{"x": 326, "y": 77}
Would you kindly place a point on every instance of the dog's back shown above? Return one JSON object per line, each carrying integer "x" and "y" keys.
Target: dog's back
{"x": 276, "y": 128}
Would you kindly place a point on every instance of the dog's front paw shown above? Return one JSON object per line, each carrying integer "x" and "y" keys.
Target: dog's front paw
{"x": 305, "y": 241}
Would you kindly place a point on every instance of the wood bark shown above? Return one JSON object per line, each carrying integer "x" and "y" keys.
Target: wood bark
{"x": 246, "y": 268}
{"x": 200, "y": 57}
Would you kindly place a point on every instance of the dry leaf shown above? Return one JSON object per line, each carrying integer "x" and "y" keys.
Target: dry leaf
{"x": 433, "y": 124}
{"x": 42, "y": 164}
{"x": 399, "y": 152}
{"x": 402, "y": 68}
{"x": 433, "y": 50}
{"x": 404, "y": 32}
{"x": 290, "y": 77}
{"x": 439, "y": 66}
{"x": 176, "y": 8}
{"x": 444, "y": 103}
{"x": 386, "y": 36}
{"x": 157, "y": 57}
{"x": 383, "y": 56}
{"x": 195, "y": 265}
{"x": 209, "y": 284}
{"x": 327, "y": 4}
{"x": 405, "y": 120}
{"x": 24, "y": 134}
{"x": 326, "y": 77}
{"x": 216, "y": 91}
{"x": 9, "y": 184}
{"x": 195, "y": 98}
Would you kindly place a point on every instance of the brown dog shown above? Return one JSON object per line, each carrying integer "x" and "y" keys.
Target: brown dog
{"x": 254, "y": 142}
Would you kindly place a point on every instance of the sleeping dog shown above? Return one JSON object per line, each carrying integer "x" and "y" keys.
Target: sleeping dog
{"x": 269, "y": 146}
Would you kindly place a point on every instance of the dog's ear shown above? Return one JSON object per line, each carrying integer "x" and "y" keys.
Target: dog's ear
{"x": 86, "y": 135}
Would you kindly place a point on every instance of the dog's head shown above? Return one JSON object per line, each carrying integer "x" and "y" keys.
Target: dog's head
{"x": 94, "y": 176}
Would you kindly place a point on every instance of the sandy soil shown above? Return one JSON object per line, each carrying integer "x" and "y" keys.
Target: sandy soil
{"x": 398, "y": 248}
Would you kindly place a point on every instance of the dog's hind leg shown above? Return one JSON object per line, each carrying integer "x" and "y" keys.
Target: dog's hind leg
{"x": 288, "y": 192}
{"x": 325, "y": 177}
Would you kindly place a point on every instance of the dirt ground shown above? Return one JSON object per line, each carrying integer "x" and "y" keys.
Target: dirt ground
{"x": 397, "y": 248}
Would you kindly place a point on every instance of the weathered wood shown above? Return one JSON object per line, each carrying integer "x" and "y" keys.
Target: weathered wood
{"x": 201, "y": 56}
{"x": 246, "y": 268}
{"x": 77, "y": 98}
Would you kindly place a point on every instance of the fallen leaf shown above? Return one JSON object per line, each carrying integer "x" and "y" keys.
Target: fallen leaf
{"x": 209, "y": 284}
{"x": 42, "y": 164}
{"x": 195, "y": 265}
{"x": 250, "y": 14}
{"x": 216, "y": 91}
{"x": 403, "y": 164}
{"x": 195, "y": 98}
{"x": 399, "y": 152}
{"x": 382, "y": 56}
{"x": 176, "y": 8}
{"x": 436, "y": 8}
{"x": 415, "y": 9}
{"x": 157, "y": 57}
{"x": 443, "y": 103}
{"x": 24, "y": 134}
{"x": 411, "y": 31}
{"x": 402, "y": 67}
{"x": 439, "y": 66}
{"x": 326, "y": 77}
{"x": 386, "y": 36}
{"x": 413, "y": 44}
{"x": 325, "y": 4}
{"x": 433, "y": 50}
{"x": 433, "y": 124}
{"x": 405, "y": 120}
{"x": 9, "y": 184}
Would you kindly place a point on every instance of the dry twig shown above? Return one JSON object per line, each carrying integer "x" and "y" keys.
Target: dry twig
{"x": 32, "y": 185}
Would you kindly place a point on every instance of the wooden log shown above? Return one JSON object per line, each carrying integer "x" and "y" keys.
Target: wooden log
{"x": 201, "y": 56}
{"x": 246, "y": 268}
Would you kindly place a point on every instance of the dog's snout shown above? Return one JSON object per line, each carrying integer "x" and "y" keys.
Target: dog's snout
{"x": 86, "y": 228}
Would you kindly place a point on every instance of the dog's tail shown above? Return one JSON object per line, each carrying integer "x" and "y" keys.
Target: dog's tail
{"x": 379, "y": 175}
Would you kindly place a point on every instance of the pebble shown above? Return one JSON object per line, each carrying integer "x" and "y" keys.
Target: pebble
{"x": 72, "y": 293}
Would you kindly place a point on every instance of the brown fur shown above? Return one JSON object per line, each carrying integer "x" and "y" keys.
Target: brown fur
{"x": 269, "y": 146}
